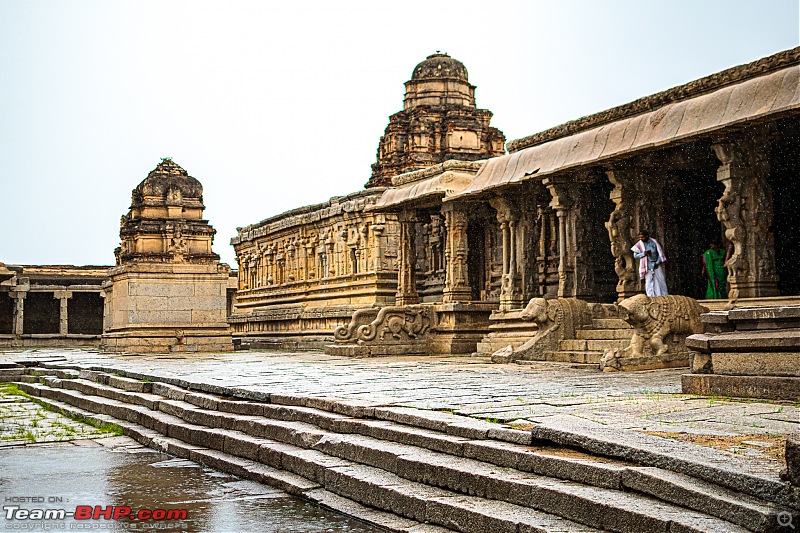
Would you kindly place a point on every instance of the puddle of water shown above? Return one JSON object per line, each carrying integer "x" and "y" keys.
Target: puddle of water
{"x": 68, "y": 475}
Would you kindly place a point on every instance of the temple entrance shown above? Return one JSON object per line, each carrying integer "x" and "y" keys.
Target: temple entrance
{"x": 695, "y": 226}
{"x": 785, "y": 169}
{"x": 476, "y": 258}
{"x": 605, "y": 279}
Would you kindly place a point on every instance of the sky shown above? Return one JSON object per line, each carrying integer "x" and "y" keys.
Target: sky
{"x": 276, "y": 105}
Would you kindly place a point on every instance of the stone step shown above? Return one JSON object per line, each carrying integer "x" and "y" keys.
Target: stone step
{"x": 560, "y": 364}
{"x": 604, "y": 334}
{"x": 294, "y": 431}
{"x": 433, "y": 420}
{"x": 373, "y": 451}
{"x": 310, "y": 469}
{"x": 585, "y": 357}
{"x": 281, "y": 479}
{"x": 610, "y": 323}
{"x": 572, "y": 345}
{"x": 702, "y": 463}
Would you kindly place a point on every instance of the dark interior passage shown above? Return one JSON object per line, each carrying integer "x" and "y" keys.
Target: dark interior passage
{"x": 85, "y": 313}
{"x": 600, "y": 205}
{"x": 42, "y": 313}
{"x": 690, "y": 228}
{"x": 6, "y": 314}
{"x": 785, "y": 170}
{"x": 476, "y": 258}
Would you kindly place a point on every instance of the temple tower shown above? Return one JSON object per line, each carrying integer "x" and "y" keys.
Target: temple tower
{"x": 439, "y": 121}
{"x": 167, "y": 292}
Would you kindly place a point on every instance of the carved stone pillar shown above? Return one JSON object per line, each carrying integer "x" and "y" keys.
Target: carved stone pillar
{"x": 570, "y": 198}
{"x": 561, "y": 203}
{"x": 622, "y": 231}
{"x": 19, "y": 311}
{"x": 63, "y": 297}
{"x": 456, "y": 287}
{"x": 406, "y": 275}
{"x": 745, "y": 209}
{"x": 510, "y": 290}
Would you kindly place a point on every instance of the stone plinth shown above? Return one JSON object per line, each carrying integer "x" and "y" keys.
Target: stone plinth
{"x": 166, "y": 308}
{"x": 168, "y": 290}
{"x": 748, "y": 352}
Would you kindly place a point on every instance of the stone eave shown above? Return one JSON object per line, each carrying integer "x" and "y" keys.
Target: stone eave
{"x": 752, "y": 101}
{"x": 686, "y": 91}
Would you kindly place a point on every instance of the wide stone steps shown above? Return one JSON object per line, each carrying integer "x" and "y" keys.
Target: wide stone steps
{"x": 491, "y": 471}
{"x": 248, "y": 456}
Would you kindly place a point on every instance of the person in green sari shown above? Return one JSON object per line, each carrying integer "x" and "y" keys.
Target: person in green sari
{"x": 715, "y": 272}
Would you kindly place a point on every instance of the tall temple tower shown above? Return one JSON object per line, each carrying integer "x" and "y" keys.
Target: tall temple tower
{"x": 167, "y": 292}
{"x": 439, "y": 121}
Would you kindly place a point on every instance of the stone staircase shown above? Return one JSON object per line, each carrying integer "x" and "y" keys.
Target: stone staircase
{"x": 591, "y": 342}
{"x": 419, "y": 471}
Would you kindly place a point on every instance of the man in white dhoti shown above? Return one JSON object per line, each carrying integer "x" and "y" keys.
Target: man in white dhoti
{"x": 651, "y": 266}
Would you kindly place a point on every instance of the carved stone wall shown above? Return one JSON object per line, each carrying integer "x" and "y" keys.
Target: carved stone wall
{"x": 303, "y": 273}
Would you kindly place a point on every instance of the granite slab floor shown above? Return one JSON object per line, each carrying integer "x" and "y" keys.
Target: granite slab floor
{"x": 642, "y": 401}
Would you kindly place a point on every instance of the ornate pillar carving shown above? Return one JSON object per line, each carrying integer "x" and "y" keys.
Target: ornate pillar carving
{"x": 570, "y": 198}
{"x": 561, "y": 203}
{"x": 456, "y": 287}
{"x": 406, "y": 272}
{"x": 507, "y": 216}
{"x": 63, "y": 297}
{"x": 622, "y": 231}
{"x": 745, "y": 209}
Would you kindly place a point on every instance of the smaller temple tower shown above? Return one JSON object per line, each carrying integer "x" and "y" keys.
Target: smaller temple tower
{"x": 439, "y": 121}
{"x": 167, "y": 292}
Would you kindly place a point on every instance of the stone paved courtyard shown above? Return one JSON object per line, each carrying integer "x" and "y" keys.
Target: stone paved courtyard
{"x": 521, "y": 394}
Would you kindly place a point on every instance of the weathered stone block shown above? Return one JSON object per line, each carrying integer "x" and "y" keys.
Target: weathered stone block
{"x": 757, "y": 363}
{"x": 793, "y": 458}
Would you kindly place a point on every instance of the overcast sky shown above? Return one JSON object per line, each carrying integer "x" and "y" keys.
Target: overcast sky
{"x": 277, "y": 105}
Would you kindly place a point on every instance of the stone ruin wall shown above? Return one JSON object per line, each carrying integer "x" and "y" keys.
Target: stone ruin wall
{"x": 304, "y": 272}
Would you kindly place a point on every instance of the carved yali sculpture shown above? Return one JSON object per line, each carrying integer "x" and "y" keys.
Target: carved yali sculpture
{"x": 388, "y": 324}
{"x": 661, "y": 325}
{"x": 556, "y": 319}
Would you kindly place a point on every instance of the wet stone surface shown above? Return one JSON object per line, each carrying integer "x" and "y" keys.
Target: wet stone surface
{"x": 117, "y": 471}
{"x": 649, "y": 401}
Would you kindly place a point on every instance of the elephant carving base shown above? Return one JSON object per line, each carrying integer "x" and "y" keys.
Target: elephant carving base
{"x": 661, "y": 325}
{"x": 393, "y": 330}
{"x": 557, "y": 319}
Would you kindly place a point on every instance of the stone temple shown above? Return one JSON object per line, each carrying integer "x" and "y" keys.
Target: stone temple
{"x": 456, "y": 247}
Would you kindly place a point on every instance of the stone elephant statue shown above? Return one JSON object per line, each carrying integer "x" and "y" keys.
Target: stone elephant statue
{"x": 556, "y": 319}
{"x": 661, "y": 325}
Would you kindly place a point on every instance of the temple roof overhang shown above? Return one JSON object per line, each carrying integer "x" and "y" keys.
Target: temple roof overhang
{"x": 428, "y": 185}
{"x": 760, "y": 99}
